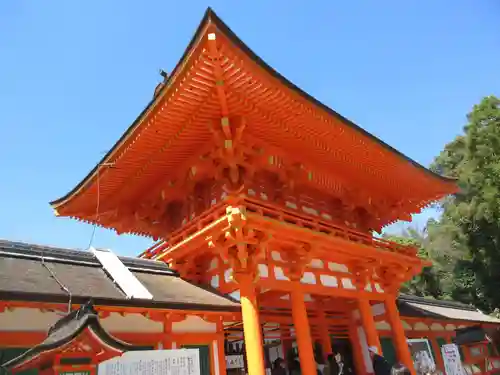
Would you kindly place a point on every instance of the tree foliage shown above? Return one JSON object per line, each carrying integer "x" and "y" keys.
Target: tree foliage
{"x": 464, "y": 244}
{"x": 426, "y": 284}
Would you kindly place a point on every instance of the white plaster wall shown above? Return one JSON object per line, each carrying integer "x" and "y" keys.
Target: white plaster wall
{"x": 311, "y": 278}
{"x": 328, "y": 280}
{"x": 316, "y": 263}
{"x": 406, "y": 326}
{"x": 276, "y": 256}
{"x": 419, "y": 326}
{"x": 279, "y": 274}
{"x": 194, "y": 323}
{"x": 378, "y": 309}
{"x": 450, "y": 327}
{"x": 227, "y": 275}
{"x": 214, "y": 282}
{"x": 308, "y": 278}
{"x": 347, "y": 283}
{"x": 338, "y": 267}
{"x": 436, "y": 327}
{"x": 26, "y": 319}
{"x": 263, "y": 271}
{"x": 130, "y": 323}
{"x": 383, "y": 326}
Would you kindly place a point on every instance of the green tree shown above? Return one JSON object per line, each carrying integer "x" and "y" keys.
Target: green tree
{"x": 427, "y": 283}
{"x": 467, "y": 236}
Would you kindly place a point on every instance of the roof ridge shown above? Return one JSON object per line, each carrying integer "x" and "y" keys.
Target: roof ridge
{"x": 435, "y": 302}
{"x": 71, "y": 255}
{"x": 22, "y": 242}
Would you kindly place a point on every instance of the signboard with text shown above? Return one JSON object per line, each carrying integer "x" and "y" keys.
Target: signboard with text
{"x": 234, "y": 362}
{"x": 153, "y": 362}
{"x": 452, "y": 360}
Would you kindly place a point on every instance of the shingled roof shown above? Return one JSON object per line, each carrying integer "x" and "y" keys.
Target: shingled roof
{"x": 25, "y": 276}
{"x": 413, "y": 306}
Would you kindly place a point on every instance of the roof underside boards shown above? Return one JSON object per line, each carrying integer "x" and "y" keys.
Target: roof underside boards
{"x": 173, "y": 129}
{"x": 26, "y": 271}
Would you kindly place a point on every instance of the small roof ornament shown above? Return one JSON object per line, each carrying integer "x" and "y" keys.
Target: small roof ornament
{"x": 79, "y": 331}
{"x": 161, "y": 85}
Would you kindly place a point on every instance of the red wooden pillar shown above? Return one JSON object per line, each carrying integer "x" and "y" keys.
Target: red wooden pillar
{"x": 302, "y": 331}
{"x": 365, "y": 311}
{"x": 398, "y": 333}
{"x": 251, "y": 325}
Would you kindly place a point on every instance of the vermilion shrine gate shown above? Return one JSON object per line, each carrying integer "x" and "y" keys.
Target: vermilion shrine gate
{"x": 251, "y": 185}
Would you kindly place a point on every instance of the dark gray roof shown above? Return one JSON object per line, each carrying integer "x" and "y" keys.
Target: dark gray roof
{"x": 24, "y": 276}
{"x": 62, "y": 333}
{"x": 436, "y": 302}
{"x": 412, "y": 306}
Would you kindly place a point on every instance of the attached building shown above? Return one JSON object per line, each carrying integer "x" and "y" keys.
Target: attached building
{"x": 39, "y": 284}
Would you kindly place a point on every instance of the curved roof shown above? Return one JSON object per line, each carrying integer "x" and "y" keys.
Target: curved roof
{"x": 66, "y": 333}
{"x": 429, "y": 185}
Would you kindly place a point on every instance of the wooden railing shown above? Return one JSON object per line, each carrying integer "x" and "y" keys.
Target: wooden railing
{"x": 197, "y": 223}
{"x": 314, "y": 223}
{"x": 270, "y": 210}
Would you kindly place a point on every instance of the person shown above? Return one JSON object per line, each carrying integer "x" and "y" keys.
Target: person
{"x": 320, "y": 368}
{"x": 400, "y": 369}
{"x": 279, "y": 367}
{"x": 333, "y": 366}
{"x": 295, "y": 367}
{"x": 340, "y": 363}
{"x": 380, "y": 364}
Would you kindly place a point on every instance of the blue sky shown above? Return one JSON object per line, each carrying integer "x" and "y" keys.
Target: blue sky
{"x": 75, "y": 74}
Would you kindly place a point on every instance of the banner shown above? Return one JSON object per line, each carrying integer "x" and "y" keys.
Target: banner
{"x": 153, "y": 362}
